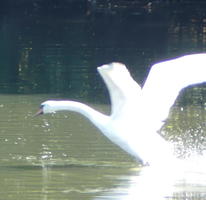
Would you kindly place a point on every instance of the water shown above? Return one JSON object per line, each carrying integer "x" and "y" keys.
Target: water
{"x": 55, "y": 48}
{"x": 62, "y": 156}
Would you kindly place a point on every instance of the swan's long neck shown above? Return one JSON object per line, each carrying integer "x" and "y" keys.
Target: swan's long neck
{"x": 98, "y": 119}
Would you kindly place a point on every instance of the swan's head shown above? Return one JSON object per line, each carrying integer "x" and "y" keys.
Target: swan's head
{"x": 47, "y": 107}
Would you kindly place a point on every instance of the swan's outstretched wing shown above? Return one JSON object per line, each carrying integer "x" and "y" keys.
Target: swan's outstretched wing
{"x": 167, "y": 79}
{"x": 122, "y": 88}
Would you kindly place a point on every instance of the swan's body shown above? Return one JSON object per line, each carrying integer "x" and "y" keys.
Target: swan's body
{"x": 137, "y": 114}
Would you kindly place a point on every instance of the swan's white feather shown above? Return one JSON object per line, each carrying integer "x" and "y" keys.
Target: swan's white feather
{"x": 120, "y": 84}
{"x": 137, "y": 114}
{"x": 166, "y": 80}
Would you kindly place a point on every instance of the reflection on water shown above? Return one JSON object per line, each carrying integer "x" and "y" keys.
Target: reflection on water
{"x": 64, "y": 157}
{"x": 172, "y": 183}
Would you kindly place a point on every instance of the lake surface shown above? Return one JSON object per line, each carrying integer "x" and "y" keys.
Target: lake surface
{"x": 54, "y": 48}
{"x": 63, "y": 156}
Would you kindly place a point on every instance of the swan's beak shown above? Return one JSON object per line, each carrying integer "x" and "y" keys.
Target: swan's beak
{"x": 40, "y": 112}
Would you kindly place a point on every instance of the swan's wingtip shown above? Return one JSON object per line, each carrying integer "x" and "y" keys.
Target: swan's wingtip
{"x": 105, "y": 66}
{"x": 110, "y": 66}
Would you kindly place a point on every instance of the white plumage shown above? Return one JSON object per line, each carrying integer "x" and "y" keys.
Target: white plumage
{"x": 138, "y": 113}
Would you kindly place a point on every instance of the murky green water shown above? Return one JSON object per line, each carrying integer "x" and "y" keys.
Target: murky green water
{"x": 55, "y": 48}
{"x": 62, "y": 156}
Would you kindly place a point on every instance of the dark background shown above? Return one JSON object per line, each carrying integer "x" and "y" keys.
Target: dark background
{"x": 54, "y": 46}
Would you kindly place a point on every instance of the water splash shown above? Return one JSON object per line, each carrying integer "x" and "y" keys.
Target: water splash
{"x": 180, "y": 180}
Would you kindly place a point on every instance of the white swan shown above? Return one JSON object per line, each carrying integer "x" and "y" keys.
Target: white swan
{"x": 137, "y": 114}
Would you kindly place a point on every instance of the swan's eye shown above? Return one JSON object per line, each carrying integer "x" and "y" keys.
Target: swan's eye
{"x": 41, "y": 106}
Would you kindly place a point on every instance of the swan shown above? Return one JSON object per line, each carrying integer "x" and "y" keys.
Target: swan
{"x": 137, "y": 114}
